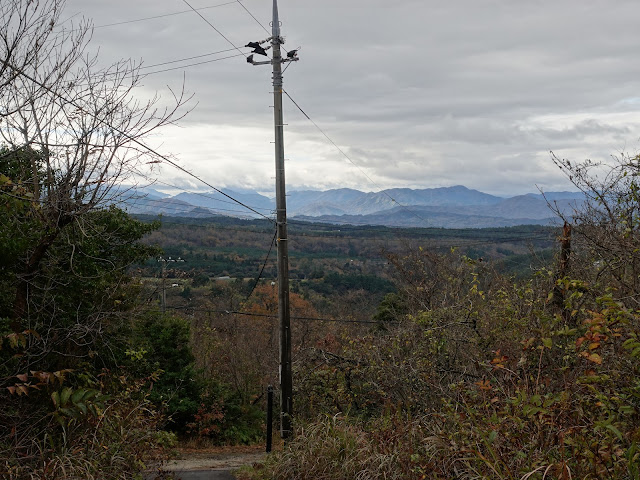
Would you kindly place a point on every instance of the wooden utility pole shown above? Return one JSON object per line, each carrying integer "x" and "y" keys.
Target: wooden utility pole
{"x": 562, "y": 272}
{"x": 163, "y": 298}
{"x": 286, "y": 381}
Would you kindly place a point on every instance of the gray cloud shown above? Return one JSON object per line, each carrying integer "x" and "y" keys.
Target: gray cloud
{"x": 418, "y": 93}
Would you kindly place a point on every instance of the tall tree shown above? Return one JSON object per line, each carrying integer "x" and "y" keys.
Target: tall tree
{"x": 81, "y": 122}
{"x": 70, "y": 134}
{"x": 608, "y": 222}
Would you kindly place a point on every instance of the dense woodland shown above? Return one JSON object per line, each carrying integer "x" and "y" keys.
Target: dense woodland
{"x": 417, "y": 353}
{"x": 330, "y": 266}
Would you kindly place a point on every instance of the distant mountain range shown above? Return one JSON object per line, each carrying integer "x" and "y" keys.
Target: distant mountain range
{"x": 448, "y": 207}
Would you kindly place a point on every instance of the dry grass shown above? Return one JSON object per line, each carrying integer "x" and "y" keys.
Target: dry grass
{"x": 336, "y": 448}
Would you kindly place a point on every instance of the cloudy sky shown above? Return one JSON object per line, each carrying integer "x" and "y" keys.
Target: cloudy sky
{"x": 418, "y": 94}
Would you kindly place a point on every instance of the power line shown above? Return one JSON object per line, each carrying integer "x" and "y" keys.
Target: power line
{"x": 252, "y": 16}
{"x": 154, "y": 181}
{"x": 161, "y": 16}
{"x": 186, "y": 58}
{"x": 264, "y": 28}
{"x": 351, "y": 161}
{"x": 138, "y": 74}
{"x": 212, "y": 26}
{"x": 190, "y": 65}
{"x": 273, "y": 241}
{"x": 267, "y": 315}
{"x": 132, "y": 139}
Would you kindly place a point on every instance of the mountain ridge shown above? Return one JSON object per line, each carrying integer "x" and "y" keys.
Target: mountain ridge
{"x": 449, "y": 207}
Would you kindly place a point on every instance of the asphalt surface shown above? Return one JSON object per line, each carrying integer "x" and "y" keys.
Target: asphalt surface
{"x": 204, "y": 475}
{"x": 214, "y": 464}
{"x": 197, "y": 475}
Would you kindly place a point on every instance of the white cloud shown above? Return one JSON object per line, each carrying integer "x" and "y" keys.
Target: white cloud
{"x": 417, "y": 93}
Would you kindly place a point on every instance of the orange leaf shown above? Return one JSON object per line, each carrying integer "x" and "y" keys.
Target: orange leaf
{"x": 484, "y": 385}
{"x": 594, "y": 345}
{"x": 22, "y": 377}
{"x": 498, "y": 362}
{"x": 32, "y": 332}
{"x": 595, "y": 358}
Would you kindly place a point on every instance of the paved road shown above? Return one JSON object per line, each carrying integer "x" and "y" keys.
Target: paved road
{"x": 200, "y": 475}
{"x": 210, "y": 465}
{"x": 205, "y": 475}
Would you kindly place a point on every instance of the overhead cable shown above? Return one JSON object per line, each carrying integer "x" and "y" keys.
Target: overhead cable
{"x": 264, "y": 265}
{"x": 162, "y": 16}
{"x": 252, "y": 16}
{"x": 267, "y": 315}
{"x": 143, "y": 67}
{"x": 126, "y": 135}
{"x": 351, "y": 161}
{"x": 212, "y": 26}
{"x": 264, "y": 28}
{"x": 192, "y": 64}
{"x": 154, "y": 181}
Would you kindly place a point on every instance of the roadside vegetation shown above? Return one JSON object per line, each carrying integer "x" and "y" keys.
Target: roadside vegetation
{"x": 76, "y": 402}
{"x": 484, "y": 375}
{"x": 506, "y": 353}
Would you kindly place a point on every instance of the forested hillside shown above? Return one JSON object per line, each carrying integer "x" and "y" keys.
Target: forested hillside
{"x": 480, "y": 375}
{"x": 331, "y": 267}
{"x": 417, "y": 353}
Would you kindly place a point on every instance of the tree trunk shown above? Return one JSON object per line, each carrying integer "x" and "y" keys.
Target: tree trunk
{"x": 20, "y": 303}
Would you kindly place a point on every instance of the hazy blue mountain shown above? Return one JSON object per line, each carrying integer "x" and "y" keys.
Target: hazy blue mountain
{"x": 298, "y": 199}
{"x": 425, "y": 216}
{"x": 151, "y": 192}
{"x": 164, "y": 206}
{"x": 316, "y": 209}
{"x": 457, "y": 195}
{"x": 309, "y": 202}
{"x": 529, "y": 206}
{"x": 551, "y": 196}
{"x": 348, "y": 201}
{"x": 224, "y": 205}
{"x": 519, "y": 210}
{"x": 448, "y": 207}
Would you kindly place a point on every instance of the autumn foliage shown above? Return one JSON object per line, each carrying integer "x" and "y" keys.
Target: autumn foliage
{"x": 485, "y": 376}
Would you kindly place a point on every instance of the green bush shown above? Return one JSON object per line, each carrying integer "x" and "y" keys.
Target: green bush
{"x": 160, "y": 348}
{"x": 494, "y": 379}
{"x": 225, "y": 418}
